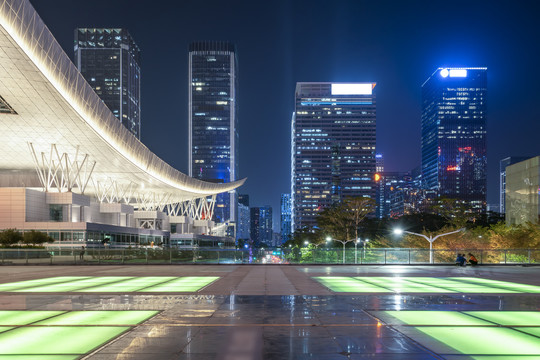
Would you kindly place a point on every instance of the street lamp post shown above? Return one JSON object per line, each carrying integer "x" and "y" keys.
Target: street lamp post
{"x": 430, "y": 238}
{"x": 365, "y": 241}
{"x": 341, "y": 241}
{"x": 356, "y": 250}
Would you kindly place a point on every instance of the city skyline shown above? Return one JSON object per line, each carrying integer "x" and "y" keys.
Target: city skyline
{"x": 399, "y": 55}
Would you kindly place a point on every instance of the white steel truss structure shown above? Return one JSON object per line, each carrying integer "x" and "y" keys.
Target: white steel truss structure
{"x": 60, "y": 171}
{"x": 110, "y": 191}
{"x": 197, "y": 209}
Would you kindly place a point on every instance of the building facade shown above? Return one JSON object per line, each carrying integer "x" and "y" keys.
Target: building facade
{"x": 261, "y": 226}
{"x": 286, "y": 217}
{"x": 68, "y": 167}
{"x": 502, "y": 178}
{"x": 244, "y": 222}
{"x": 109, "y": 60}
{"x": 213, "y": 121}
{"x": 454, "y": 158}
{"x": 379, "y": 190}
{"x": 523, "y": 192}
{"x": 333, "y": 147}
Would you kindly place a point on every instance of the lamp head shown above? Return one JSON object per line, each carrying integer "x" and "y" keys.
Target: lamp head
{"x": 398, "y": 231}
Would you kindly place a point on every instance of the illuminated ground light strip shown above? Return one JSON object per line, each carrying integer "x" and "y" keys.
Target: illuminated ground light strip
{"x": 482, "y": 335}
{"x": 62, "y": 335}
{"x": 104, "y": 284}
{"x": 401, "y": 285}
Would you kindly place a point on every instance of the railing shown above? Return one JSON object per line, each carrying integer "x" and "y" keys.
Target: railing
{"x": 394, "y": 256}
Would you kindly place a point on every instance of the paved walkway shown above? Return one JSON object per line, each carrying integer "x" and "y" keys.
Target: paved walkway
{"x": 269, "y": 312}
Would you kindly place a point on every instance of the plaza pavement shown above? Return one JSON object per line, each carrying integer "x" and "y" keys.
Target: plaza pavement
{"x": 273, "y": 311}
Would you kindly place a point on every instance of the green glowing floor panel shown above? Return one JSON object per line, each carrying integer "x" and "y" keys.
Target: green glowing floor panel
{"x": 5, "y": 328}
{"x": 509, "y": 318}
{"x": 89, "y": 284}
{"x": 466, "y": 285}
{"x": 9, "y": 317}
{"x": 45, "y": 340}
{"x": 33, "y": 283}
{"x": 483, "y": 340}
{"x": 74, "y": 285}
{"x": 346, "y": 284}
{"x": 133, "y": 284}
{"x": 62, "y": 335}
{"x": 481, "y": 334}
{"x": 530, "y": 330}
{"x": 124, "y": 318}
{"x": 434, "y": 318}
{"x": 184, "y": 284}
{"x": 39, "y": 357}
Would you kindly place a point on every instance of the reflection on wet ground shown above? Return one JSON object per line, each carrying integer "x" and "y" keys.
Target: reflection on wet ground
{"x": 225, "y": 321}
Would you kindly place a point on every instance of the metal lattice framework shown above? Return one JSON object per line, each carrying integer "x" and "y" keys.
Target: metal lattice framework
{"x": 197, "y": 208}
{"x": 60, "y": 172}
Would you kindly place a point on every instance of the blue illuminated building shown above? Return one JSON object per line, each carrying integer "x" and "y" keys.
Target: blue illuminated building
{"x": 454, "y": 160}
{"x": 213, "y": 134}
{"x": 285, "y": 217}
{"x": 333, "y": 147}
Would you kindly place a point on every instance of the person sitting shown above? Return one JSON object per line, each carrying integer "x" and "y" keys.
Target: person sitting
{"x": 460, "y": 260}
{"x": 472, "y": 260}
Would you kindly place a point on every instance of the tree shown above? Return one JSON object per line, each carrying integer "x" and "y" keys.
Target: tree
{"x": 300, "y": 236}
{"x": 343, "y": 220}
{"x": 454, "y": 211}
{"x": 34, "y": 237}
{"x": 10, "y": 237}
{"x": 358, "y": 208}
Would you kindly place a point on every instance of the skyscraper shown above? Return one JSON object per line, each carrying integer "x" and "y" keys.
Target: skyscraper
{"x": 379, "y": 190}
{"x": 213, "y": 135}
{"x": 285, "y": 217}
{"x": 109, "y": 60}
{"x": 244, "y": 221}
{"x": 454, "y": 158}
{"x": 333, "y": 147}
{"x": 261, "y": 225}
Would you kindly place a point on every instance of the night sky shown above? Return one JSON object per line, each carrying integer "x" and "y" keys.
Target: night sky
{"x": 281, "y": 42}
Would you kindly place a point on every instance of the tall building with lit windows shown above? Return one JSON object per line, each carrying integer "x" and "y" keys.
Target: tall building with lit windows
{"x": 109, "y": 60}
{"x": 261, "y": 226}
{"x": 454, "y": 159}
{"x": 332, "y": 146}
{"x": 285, "y": 217}
{"x": 213, "y": 135}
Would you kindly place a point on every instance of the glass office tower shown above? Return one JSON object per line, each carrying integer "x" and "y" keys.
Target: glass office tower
{"x": 285, "y": 217}
{"x": 109, "y": 60}
{"x": 333, "y": 147}
{"x": 213, "y": 135}
{"x": 454, "y": 158}
{"x": 261, "y": 226}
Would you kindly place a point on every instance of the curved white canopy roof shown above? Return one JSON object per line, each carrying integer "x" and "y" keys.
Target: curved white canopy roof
{"x": 55, "y": 105}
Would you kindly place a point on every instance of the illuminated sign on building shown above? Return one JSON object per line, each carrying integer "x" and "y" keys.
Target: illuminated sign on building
{"x": 453, "y": 73}
{"x": 352, "y": 89}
